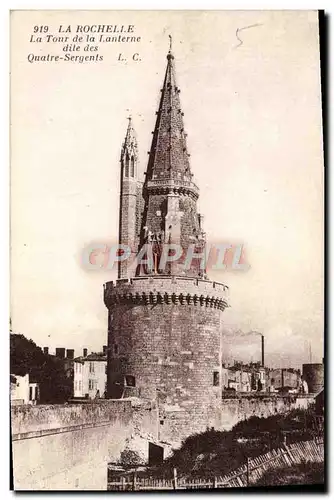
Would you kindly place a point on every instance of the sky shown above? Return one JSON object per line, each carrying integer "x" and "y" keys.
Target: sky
{"x": 252, "y": 112}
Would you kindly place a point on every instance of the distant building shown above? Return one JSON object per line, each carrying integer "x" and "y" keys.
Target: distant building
{"x": 313, "y": 373}
{"x": 67, "y": 355}
{"x": 279, "y": 378}
{"x": 304, "y": 387}
{"x": 244, "y": 378}
{"x": 260, "y": 378}
{"x": 90, "y": 375}
{"x": 22, "y": 391}
{"x": 239, "y": 379}
{"x": 224, "y": 378}
{"x": 253, "y": 377}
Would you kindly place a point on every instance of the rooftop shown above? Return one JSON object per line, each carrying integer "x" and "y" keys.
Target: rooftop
{"x": 93, "y": 356}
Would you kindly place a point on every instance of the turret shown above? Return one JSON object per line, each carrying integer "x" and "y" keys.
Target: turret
{"x": 128, "y": 216}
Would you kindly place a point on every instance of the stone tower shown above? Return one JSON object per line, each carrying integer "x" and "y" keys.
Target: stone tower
{"x": 165, "y": 321}
{"x": 130, "y": 195}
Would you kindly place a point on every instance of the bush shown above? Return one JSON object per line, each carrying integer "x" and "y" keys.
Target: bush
{"x": 130, "y": 458}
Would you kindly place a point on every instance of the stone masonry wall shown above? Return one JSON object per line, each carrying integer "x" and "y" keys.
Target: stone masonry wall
{"x": 243, "y": 407}
{"x": 68, "y": 447}
{"x": 128, "y": 221}
{"x": 33, "y": 419}
{"x": 172, "y": 350}
{"x": 174, "y": 425}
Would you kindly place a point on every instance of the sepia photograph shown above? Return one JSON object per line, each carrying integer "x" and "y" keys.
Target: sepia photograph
{"x": 167, "y": 250}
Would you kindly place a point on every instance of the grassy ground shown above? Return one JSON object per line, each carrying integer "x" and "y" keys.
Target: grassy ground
{"x": 302, "y": 474}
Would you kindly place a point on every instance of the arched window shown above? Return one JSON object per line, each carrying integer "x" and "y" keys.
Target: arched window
{"x": 127, "y": 166}
{"x": 132, "y": 166}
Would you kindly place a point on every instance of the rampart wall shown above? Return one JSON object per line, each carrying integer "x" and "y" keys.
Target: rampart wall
{"x": 66, "y": 447}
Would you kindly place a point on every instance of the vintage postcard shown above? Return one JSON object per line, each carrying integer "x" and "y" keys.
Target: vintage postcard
{"x": 167, "y": 250}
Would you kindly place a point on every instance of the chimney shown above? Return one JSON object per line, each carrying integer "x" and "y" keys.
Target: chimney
{"x": 60, "y": 352}
{"x": 282, "y": 377}
{"x": 262, "y": 350}
{"x": 84, "y": 352}
{"x": 70, "y": 353}
{"x": 105, "y": 349}
{"x": 46, "y": 350}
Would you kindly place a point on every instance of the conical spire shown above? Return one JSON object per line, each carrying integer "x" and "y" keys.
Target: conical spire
{"x": 129, "y": 154}
{"x": 169, "y": 157}
{"x": 169, "y": 213}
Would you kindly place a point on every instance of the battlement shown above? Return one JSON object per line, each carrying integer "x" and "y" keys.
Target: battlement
{"x": 177, "y": 186}
{"x": 166, "y": 289}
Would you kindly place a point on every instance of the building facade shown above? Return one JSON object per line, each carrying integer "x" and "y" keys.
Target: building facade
{"x": 288, "y": 378}
{"x": 244, "y": 378}
{"x": 165, "y": 316}
{"x": 90, "y": 376}
{"x": 22, "y": 391}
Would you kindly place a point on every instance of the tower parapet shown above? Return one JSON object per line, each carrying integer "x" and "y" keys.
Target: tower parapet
{"x": 166, "y": 290}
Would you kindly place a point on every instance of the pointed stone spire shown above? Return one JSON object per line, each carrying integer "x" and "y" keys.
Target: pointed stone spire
{"x": 129, "y": 154}
{"x": 128, "y": 215}
{"x": 169, "y": 214}
{"x": 169, "y": 157}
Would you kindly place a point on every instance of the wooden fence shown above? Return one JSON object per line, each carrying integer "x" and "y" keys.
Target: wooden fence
{"x": 295, "y": 453}
{"x": 246, "y": 475}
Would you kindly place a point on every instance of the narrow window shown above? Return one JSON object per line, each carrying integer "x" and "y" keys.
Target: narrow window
{"x": 130, "y": 381}
{"x": 216, "y": 379}
{"x": 116, "y": 349}
{"x": 127, "y": 166}
{"x": 30, "y": 393}
{"x": 132, "y": 166}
